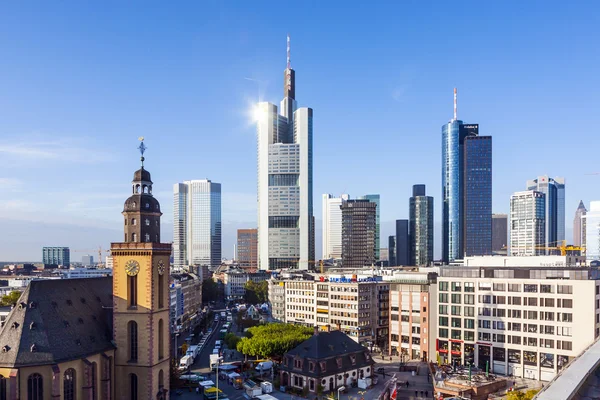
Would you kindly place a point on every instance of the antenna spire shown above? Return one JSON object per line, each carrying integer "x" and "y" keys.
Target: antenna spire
{"x": 142, "y": 148}
{"x": 289, "y": 63}
{"x": 455, "y": 104}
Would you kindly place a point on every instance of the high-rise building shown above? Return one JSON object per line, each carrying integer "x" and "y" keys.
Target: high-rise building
{"x": 554, "y": 189}
{"x": 462, "y": 195}
{"x": 478, "y": 195}
{"x": 285, "y": 181}
{"x": 403, "y": 254}
{"x": 247, "y": 248}
{"x": 358, "y": 233}
{"x": 592, "y": 232}
{"x": 527, "y": 223}
{"x": 421, "y": 226}
{"x": 332, "y": 226}
{"x": 87, "y": 260}
{"x": 197, "y": 223}
{"x": 392, "y": 250}
{"x": 55, "y": 256}
{"x": 499, "y": 234}
{"x": 375, "y": 198}
{"x": 579, "y": 226}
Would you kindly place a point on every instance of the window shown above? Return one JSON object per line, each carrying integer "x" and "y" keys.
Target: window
{"x": 443, "y": 286}
{"x": 469, "y": 287}
{"x": 469, "y": 323}
{"x": 161, "y": 291}
{"x": 565, "y": 289}
{"x": 499, "y": 299}
{"x": 531, "y": 301}
{"x": 2, "y": 388}
{"x": 443, "y": 333}
{"x": 499, "y": 325}
{"x": 456, "y": 334}
{"x": 546, "y": 289}
{"x": 567, "y": 303}
{"x": 566, "y": 317}
{"x": 499, "y": 287}
{"x": 456, "y": 298}
{"x": 561, "y": 344}
{"x": 484, "y": 336}
{"x": 484, "y": 323}
{"x": 469, "y": 311}
{"x": 530, "y": 288}
{"x": 547, "y": 302}
{"x": 456, "y": 287}
{"x": 443, "y": 310}
{"x": 516, "y": 300}
{"x": 69, "y": 384}
{"x": 469, "y": 299}
{"x": 547, "y": 343}
{"x": 133, "y": 237}
{"x": 531, "y": 341}
{"x": 547, "y": 316}
{"x": 133, "y": 387}
{"x": 470, "y": 336}
{"x": 455, "y": 310}
{"x": 147, "y": 222}
{"x": 132, "y": 290}
{"x": 456, "y": 322}
{"x": 35, "y": 387}
{"x": 161, "y": 339}
{"x": 161, "y": 380}
{"x": 443, "y": 297}
{"x": 443, "y": 321}
{"x": 147, "y": 237}
{"x": 133, "y": 221}
{"x": 547, "y": 329}
{"x": 514, "y": 287}
{"x": 133, "y": 342}
{"x": 485, "y": 298}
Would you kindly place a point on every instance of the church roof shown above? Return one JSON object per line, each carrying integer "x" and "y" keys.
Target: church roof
{"x": 142, "y": 175}
{"x": 58, "y": 320}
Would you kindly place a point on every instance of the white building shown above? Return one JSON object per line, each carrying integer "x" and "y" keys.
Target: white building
{"x": 530, "y": 261}
{"x": 76, "y": 273}
{"x": 285, "y": 182}
{"x": 527, "y": 322}
{"x": 109, "y": 262}
{"x": 196, "y": 223}
{"x": 592, "y": 232}
{"x": 527, "y": 223}
{"x": 332, "y": 226}
{"x": 235, "y": 279}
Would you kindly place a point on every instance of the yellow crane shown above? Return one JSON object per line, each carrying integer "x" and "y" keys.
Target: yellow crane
{"x": 562, "y": 247}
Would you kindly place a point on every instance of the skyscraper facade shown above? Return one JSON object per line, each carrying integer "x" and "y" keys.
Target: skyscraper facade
{"x": 554, "y": 189}
{"x": 403, "y": 254}
{"x": 197, "y": 223}
{"x": 358, "y": 233}
{"x": 285, "y": 181}
{"x": 579, "y": 225}
{"x": 332, "y": 226}
{"x": 55, "y": 256}
{"x": 247, "y": 248}
{"x": 592, "y": 222}
{"x": 455, "y": 200}
{"x": 421, "y": 226}
{"x": 527, "y": 223}
{"x": 375, "y": 198}
{"x": 391, "y": 251}
{"x": 499, "y": 234}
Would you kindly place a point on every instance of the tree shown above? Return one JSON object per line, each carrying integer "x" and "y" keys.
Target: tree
{"x": 256, "y": 292}
{"x": 272, "y": 339}
{"x": 210, "y": 291}
{"x": 10, "y": 299}
{"x": 520, "y": 395}
{"x": 231, "y": 340}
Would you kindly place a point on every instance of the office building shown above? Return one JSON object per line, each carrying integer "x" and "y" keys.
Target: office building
{"x": 358, "y": 233}
{"x": 375, "y": 198}
{"x": 421, "y": 226}
{"x": 235, "y": 279}
{"x": 247, "y": 248}
{"x": 197, "y": 223}
{"x": 579, "y": 227}
{"x": 465, "y": 193}
{"x": 285, "y": 181}
{"x": 391, "y": 250}
{"x": 332, "y": 226}
{"x": 592, "y": 233}
{"x": 87, "y": 260}
{"x": 478, "y": 195}
{"x": 527, "y": 322}
{"x": 78, "y": 273}
{"x": 56, "y": 256}
{"x": 554, "y": 189}
{"x": 569, "y": 260}
{"x": 499, "y": 234}
{"x": 527, "y": 223}
{"x": 403, "y": 255}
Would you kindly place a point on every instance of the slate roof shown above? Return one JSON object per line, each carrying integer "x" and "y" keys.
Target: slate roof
{"x": 327, "y": 351}
{"x": 142, "y": 175}
{"x": 58, "y": 320}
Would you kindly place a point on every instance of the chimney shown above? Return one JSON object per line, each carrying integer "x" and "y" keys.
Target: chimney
{"x": 316, "y": 330}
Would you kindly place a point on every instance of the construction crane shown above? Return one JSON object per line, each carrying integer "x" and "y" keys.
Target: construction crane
{"x": 563, "y": 248}
{"x": 98, "y": 251}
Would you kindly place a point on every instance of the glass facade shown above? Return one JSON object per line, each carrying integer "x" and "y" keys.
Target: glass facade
{"x": 421, "y": 227}
{"x": 554, "y": 189}
{"x": 592, "y": 222}
{"x": 478, "y": 195}
{"x": 375, "y": 198}
{"x": 358, "y": 233}
{"x": 56, "y": 256}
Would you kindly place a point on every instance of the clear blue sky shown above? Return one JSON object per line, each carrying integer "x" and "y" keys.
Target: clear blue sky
{"x": 80, "y": 81}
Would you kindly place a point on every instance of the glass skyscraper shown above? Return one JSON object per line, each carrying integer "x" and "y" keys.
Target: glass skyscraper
{"x": 554, "y": 189}
{"x": 592, "y": 233}
{"x": 527, "y": 223}
{"x": 332, "y": 226}
{"x": 55, "y": 256}
{"x": 375, "y": 198}
{"x": 197, "y": 223}
{"x": 421, "y": 227}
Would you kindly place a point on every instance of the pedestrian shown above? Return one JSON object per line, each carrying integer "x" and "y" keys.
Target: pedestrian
{"x": 416, "y": 393}
{"x": 426, "y": 393}
{"x": 421, "y": 393}
{"x": 198, "y": 391}
{"x": 514, "y": 383}
{"x": 407, "y": 384}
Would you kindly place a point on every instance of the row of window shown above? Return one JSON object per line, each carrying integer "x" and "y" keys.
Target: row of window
{"x": 501, "y": 287}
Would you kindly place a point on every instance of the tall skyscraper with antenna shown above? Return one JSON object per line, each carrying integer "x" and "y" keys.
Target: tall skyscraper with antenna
{"x": 285, "y": 185}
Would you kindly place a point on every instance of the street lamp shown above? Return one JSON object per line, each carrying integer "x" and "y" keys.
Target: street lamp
{"x": 342, "y": 388}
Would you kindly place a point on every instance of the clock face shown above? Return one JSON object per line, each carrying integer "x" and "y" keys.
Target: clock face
{"x": 132, "y": 267}
{"x": 161, "y": 267}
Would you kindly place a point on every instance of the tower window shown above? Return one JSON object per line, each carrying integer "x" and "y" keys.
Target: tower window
{"x": 161, "y": 380}
{"x": 147, "y": 237}
{"x": 35, "y": 387}
{"x": 133, "y": 387}
{"x": 133, "y": 237}
{"x": 147, "y": 205}
{"x": 125, "y": 220}
{"x": 161, "y": 339}
{"x": 132, "y": 331}
{"x": 133, "y": 221}
{"x": 161, "y": 291}
{"x": 69, "y": 384}
{"x": 132, "y": 291}
{"x": 147, "y": 222}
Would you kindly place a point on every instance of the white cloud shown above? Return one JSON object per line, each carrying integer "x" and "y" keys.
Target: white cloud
{"x": 10, "y": 184}
{"x": 41, "y": 147}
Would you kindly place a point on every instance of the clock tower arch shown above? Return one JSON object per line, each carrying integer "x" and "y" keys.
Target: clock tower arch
{"x": 141, "y": 297}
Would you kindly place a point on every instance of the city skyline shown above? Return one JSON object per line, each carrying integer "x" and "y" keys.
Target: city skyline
{"x": 74, "y": 142}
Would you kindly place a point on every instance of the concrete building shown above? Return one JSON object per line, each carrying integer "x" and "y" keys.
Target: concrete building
{"x": 525, "y": 261}
{"x": 285, "y": 181}
{"x": 527, "y": 223}
{"x": 247, "y": 248}
{"x": 56, "y": 256}
{"x": 421, "y": 227}
{"x": 375, "y": 198}
{"x": 78, "y": 273}
{"x": 403, "y": 240}
{"x": 554, "y": 191}
{"x": 87, "y": 260}
{"x": 235, "y": 279}
{"x": 579, "y": 227}
{"x": 499, "y": 234}
{"x": 358, "y": 233}
{"x": 332, "y": 226}
{"x": 527, "y": 322}
{"x": 592, "y": 234}
{"x": 191, "y": 293}
{"x": 196, "y": 223}
{"x": 176, "y": 305}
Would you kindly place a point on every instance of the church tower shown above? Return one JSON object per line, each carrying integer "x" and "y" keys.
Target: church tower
{"x": 141, "y": 297}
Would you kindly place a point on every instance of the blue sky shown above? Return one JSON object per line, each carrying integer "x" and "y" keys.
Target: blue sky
{"x": 80, "y": 81}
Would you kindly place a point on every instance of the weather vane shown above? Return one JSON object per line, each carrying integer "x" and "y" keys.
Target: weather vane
{"x": 142, "y": 148}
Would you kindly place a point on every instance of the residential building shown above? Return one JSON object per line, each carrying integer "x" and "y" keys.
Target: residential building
{"x": 579, "y": 232}
{"x": 196, "y": 223}
{"x": 527, "y": 322}
{"x": 462, "y": 193}
{"x": 527, "y": 223}
{"x": 392, "y": 251}
{"x": 56, "y": 256}
{"x": 325, "y": 362}
{"x": 332, "y": 226}
{"x": 592, "y": 234}
{"x": 554, "y": 189}
{"x": 403, "y": 240}
{"x": 277, "y": 299}
{"x": 87, "y": 260}
{"x": 176, "y": 305}
{"x": 247, "y": 248}
{"x": 78, "y": 273}
{"x": 235, "y": 279}
{"x": 191, "y": 293}
{"x": 421, "y": 227}
{"x": 375, "y": 198}
{"x": 478, "y": 195}
{"x": 499, "y": 234}
{"x": 358, "y": 233}
{"x": 285, "y": 181}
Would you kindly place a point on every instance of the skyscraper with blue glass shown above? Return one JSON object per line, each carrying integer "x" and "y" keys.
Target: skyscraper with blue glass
{"x": 554, "y": 189}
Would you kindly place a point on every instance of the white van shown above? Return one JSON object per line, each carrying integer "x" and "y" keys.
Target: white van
{"x": 185, "y": 362}
{"x": 215, "y": 351}
{"x": 264, "y": 366}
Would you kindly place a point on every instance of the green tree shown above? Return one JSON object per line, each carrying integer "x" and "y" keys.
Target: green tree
{"x": 210, "y": 291}
{"x": 231, "y": 340}
{"x": 256, "y": 292}
{"x": 10, "y": 299}
{"x": 272, "y": 339}
{"x": 520, "y": 395}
